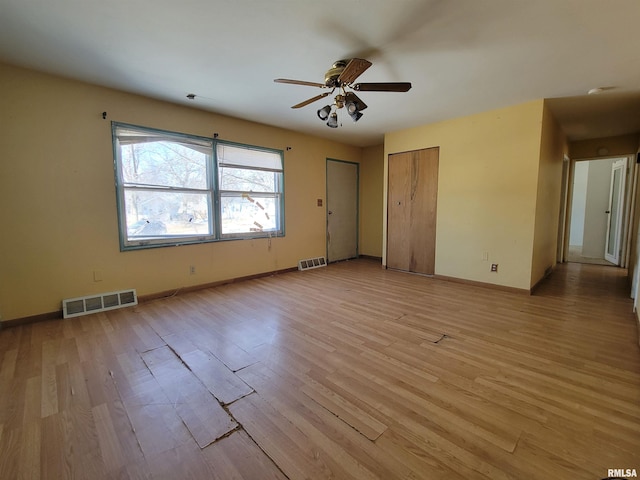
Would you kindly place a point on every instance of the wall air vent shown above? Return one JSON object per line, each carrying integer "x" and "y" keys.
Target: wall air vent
{"x": 74, "y": 307}
{"x": 312, "y": 263}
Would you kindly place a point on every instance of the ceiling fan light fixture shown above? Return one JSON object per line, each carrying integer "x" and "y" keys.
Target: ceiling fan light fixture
{"x": 333, "y": 120}
{"x": 353, "y": 111}
{"x": 324, "y": 112}
{"x": 355, "y": 116}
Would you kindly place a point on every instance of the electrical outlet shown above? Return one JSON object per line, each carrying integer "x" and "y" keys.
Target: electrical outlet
{"x": 192, "y": 269}
{"x": 494, "y": 267}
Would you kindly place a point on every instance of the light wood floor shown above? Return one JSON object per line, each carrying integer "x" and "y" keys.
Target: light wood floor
{"x": 575, "y": 255}
{"x": 345, "y": 372}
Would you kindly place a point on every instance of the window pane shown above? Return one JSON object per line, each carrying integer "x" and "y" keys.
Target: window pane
{"x": 164, "y": 163}
{"x": 151, "y": 213}
{"x": 246, "y": 213}
{"x": 239, "y": 179}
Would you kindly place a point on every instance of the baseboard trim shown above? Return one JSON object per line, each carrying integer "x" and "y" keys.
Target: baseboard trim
{"x": 42, "y": 317}
{"x": 547, "y": 274}
{"x": 492, "y": 286}
{"x": 370, "y": 257}
{"x": 203, "y": 286}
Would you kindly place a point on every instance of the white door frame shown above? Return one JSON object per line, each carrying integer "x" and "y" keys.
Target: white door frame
{"x": 564, "y": 214}
{"x": 615, "y": 212}
{"x": 629, "y": 206}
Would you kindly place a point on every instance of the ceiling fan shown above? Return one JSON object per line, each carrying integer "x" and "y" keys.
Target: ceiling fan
{"x": 341, "y": 76}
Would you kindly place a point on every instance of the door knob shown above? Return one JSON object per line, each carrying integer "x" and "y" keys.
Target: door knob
{"x": 608, "y": 211}
{"x": 329, "y": 212}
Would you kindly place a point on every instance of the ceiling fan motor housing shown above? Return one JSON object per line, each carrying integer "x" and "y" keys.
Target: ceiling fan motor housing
{"x": 331, "y": 77}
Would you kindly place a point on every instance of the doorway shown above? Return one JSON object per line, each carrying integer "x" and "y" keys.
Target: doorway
{"x": 342, "y": 210}
{"x": 411, "y": 210}
{"x": 595, "y": 232}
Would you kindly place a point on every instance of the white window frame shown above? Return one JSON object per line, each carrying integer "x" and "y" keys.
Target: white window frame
{"x": 124, "y": 134}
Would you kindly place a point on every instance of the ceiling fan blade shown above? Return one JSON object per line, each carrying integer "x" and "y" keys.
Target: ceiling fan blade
{"x": 311, "y": 100}
{"x": 352, "y": 97}
{"x": 383, "y": 87}
{"x": 353, "y": 70}
{"x": 300, "y": 82}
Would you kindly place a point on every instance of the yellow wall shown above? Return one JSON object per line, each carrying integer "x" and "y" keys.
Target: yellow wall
{"x": 620, "y": 145}
{"x": 58, "y": 202}
{"x": 487, "y": 189}
{"x": 371, "y": 192}
{"x": 553, "y": 147}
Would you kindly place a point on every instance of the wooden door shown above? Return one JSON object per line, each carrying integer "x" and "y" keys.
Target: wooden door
{"x": 342, "y": 210}
{"x": 411, "y": 210}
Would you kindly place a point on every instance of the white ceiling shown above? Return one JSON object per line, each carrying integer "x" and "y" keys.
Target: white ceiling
{"x": 462, "y": 56}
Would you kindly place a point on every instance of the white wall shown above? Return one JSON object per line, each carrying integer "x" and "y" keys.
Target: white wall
{"x": 578, "y": 203}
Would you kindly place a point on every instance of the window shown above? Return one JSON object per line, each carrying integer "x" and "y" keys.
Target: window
{"x": 175, "y": 189}
{"x": 250, "y": 183}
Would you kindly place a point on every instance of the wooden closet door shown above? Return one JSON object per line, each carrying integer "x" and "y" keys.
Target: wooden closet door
{"x": 411, "y": 210}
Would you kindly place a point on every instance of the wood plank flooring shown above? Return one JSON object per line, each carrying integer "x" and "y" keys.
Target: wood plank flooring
{"x": 344, "y": 372}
